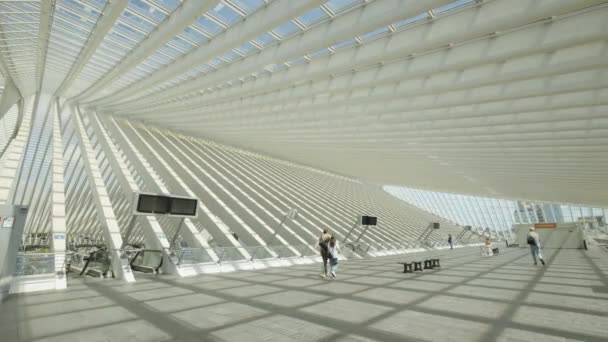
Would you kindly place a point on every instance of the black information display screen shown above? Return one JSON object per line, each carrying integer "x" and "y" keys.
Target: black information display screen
{"x": 369, "y": 220}
{"x": 153, "y": 204}
{"x": 183, "y": 206}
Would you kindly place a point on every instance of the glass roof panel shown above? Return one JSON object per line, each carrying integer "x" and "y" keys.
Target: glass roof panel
{"x": 227, "y": 15}
{"x": 345, "y": 44}
{"x": 324, "y": 51}
{"x": 313, "y": 16}
{"x": 216, "y": 62}
{"x": 452, "y": 5}
{"x": 135, "y": 20}
{"x": 182, "y": 44}
{"x": 337, "y": 6}
{"x": 80, "y": 8}
{"x": 297, "y": 60}
{"x": 146, "y": 10}
{"x": 169, "y": 51}
{"x": 168, "y": 5}
{"x": 208, "y": 26}
{"x": 248, "y": 6}
{"x": 99, "y": 4}
{"x": 286, "y": 29}
{"x": 194, "y": 35}
{"x": 127, "y": 31}
{"x": 265, "y": 39}
{"x": 419, "y": 17}
{"x": 374, "y": 33}
{"x": 247, "y": 48}
{"x": 231, "y": 55}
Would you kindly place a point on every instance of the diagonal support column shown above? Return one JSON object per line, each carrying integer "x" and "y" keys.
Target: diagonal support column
{"x": 198, "y": 239}
{"x": 153, "y": 233}
{"x": 12, "y": 159}
{"x": 58, "y": 217}
{"x": 105, "y": 213}
{"x": 10, "y": 96}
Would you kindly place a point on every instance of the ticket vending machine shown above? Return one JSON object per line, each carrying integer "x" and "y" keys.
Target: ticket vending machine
{"x": 12, "y": 221}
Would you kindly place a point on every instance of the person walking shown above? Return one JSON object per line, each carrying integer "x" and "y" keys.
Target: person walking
{"x": 324, "y": 250}
{"x": 333, "y": 256}
{"x": 489, "y": 251}
{"x": 450, "y": 241}
{"x": 534, "y": 242}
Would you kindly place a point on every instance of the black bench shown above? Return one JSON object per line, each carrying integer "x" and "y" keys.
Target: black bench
{"x": 428, "y": 264}
{"x": 435, "y": 262}
{"x": 495, "y": 250}
{"x": 407, "y": 267}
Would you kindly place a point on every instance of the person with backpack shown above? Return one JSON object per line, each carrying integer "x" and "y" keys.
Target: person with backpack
{"x": 324, "y": 250}
{"x": 534, "y": 243}
{"x": 333, "y": 256}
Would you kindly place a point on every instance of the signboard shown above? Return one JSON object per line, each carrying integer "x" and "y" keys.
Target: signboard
{"x": 164, "y": 204}
{"x": 545, "y": 225}
{"x": 8, "y": 222}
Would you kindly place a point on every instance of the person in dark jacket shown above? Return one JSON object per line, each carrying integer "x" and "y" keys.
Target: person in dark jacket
{"x": 324, "y": 250}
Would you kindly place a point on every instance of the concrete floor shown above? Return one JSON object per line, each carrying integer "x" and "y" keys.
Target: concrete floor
{"x": 471, "y": 298}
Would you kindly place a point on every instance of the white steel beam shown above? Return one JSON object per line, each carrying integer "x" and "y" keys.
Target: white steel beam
{"x": 12, "y": 159}
{"x": 153, "y": 233}
{"x": 172, "y": 26}
{"x": 200, "y": 162}
{"x": 375, "y": 59}
{"x": 204, "y": 209}
{"x": 105, "y": 213}
{"x": 197, "y": 239}
{"x": 310, "y": 79}
{"x": 46, "y": 12}
{"x": 58, "y": 216}
{"x": 350, "y": 25}
{"x": 9, "y": 96}
{"x": 109, "y": 15}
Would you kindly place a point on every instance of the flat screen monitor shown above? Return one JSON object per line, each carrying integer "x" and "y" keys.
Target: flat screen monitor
{"x": 153, "y": 204}
{"x": 183, "y": 206}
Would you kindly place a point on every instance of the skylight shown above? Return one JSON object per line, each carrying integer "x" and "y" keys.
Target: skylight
{"x": 312, "y": 17}
{"x": 452, "y": 5}
{"x": 337, "y": 6}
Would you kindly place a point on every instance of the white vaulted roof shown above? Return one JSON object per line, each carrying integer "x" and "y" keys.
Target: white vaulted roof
{"x": 503, "y": 98}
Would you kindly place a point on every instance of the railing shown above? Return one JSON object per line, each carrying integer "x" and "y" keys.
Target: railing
{"x": 98, "y": 262}
{"x": 189, "y": 256}
{"x": 405, "y": 244}
{"x": 145, "y": 260}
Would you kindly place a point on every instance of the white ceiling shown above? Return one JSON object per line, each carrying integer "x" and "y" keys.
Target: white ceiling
{"x": 506, "y": 98}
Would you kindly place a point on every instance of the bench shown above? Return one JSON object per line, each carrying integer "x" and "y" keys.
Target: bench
{"x": 495, "y": 250}
{"x": 407, "y": 267}
{"x": 417, "y": 265}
